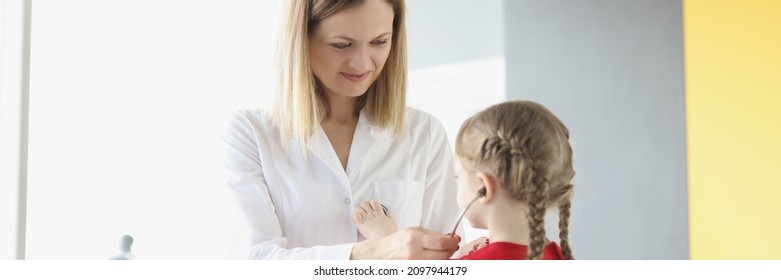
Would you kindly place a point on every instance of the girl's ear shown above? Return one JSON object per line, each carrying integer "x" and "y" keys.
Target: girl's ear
{"x": 489, "y": 183}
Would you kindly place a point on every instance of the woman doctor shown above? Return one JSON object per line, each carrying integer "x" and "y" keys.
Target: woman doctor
{"x": 339, "y": 133}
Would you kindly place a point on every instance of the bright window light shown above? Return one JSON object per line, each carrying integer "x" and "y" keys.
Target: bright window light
{"x": 127, "y": 103}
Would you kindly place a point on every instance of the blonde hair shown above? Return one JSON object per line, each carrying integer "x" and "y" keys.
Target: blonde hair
{"x": 528, "y": 149}
{"x": 299, "y": 105}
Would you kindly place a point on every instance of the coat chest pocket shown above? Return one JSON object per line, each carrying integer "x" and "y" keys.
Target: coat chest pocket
{"x": 404, "y": 200}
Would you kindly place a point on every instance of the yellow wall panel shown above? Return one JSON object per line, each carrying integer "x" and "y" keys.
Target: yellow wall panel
{"x": 733, "y": 110}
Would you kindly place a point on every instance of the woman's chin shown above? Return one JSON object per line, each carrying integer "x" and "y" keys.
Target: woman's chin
{"x": 354, "y": 93}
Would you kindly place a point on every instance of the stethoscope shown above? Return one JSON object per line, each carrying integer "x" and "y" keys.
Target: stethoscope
{"x": 480, "y": 193}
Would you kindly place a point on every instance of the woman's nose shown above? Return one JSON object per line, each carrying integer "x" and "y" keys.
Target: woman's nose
{"x": 361, "y": 60}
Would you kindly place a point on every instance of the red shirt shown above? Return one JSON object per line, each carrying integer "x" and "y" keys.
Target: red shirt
{"x": 512, "y": 251}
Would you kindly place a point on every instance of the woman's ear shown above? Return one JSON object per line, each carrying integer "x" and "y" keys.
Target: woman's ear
{"x": 489, "y": 183}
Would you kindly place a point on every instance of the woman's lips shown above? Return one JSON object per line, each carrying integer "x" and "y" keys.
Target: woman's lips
{"x": 355, "y": 77}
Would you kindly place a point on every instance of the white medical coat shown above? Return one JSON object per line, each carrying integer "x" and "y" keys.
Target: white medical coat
{"x": 298, "y": 205}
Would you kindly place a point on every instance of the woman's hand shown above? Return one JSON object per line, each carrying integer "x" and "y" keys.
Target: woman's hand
{"x": 408, "y": 244}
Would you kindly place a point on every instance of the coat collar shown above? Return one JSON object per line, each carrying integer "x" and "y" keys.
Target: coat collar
{"x": 366, "y": 134}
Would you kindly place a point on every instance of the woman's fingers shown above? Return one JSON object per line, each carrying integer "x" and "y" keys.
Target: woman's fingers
{"x": 432, "y": 240}
{"x": 371, "y": 208}
{"x": 357, "y": 217}
{"x": 366, "y": 207}
{"x": 375, "y": 204}
{"x": 409, "y": 243}
{"x": 426, "y": 244}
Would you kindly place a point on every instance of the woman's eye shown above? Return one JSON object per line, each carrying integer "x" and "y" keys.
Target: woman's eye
{"x": 341, "y": 46}
{"x": 380, "y": 42}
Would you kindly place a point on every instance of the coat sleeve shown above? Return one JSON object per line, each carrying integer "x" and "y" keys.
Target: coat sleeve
{"x": 440, "y": 209}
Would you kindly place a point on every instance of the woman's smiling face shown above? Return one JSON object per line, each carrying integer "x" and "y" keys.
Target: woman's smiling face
{"x": 348, "y": 50}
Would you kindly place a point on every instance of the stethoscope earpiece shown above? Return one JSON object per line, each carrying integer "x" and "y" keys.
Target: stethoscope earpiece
{"x": 481, "y": 192}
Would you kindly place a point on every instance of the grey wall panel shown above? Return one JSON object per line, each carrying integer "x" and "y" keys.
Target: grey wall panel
{"x": 613, "y": 71}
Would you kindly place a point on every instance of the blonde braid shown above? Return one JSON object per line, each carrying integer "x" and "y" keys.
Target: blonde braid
{"x": 564, "y": 228}
{"x": 537, "y": 197}
{"x": 497, "y": 149}
{"x": 506, "y": 149}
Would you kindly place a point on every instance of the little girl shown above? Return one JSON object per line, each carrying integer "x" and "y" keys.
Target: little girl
{"x": 520, "y": 153}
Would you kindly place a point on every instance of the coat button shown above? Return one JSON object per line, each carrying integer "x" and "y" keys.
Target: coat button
{"x": 347, "y": 201}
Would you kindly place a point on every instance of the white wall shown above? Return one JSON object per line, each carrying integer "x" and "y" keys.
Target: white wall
{"x": 442, "y": 32}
